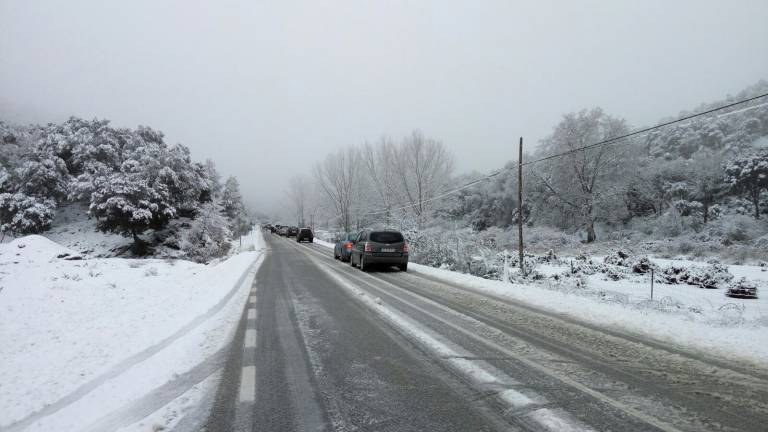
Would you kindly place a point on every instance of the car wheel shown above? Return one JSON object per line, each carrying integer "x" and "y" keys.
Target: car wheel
{"x": 352, "y": 260}
{"x": 362, "y": 264}
{"x": 403, "y": 267}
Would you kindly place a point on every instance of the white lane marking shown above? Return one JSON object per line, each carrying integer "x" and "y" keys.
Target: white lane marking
{"x": 248, "y": 384}
{"x": 250, "y": 338}
{"x": 556, "y": 420}
{"x": 251, "y": 314}
{"x": 252, "y": 299}
{"x": 515, "y": 399}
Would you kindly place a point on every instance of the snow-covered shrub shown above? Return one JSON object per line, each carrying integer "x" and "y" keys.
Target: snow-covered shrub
{"x": 23, "y": 214}
{"x": 642, "y": 266}
{"x": 674, "y": 274}
{"x": 711, "y": 276}
{"x": 742, "y": 288}
{"x": 207, "y": 237}
{"x": 739, "y": 228}
{"x": 618, "y": 257}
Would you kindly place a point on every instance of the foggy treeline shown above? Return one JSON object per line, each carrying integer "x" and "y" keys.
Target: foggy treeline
{"x": 706, "y": 178}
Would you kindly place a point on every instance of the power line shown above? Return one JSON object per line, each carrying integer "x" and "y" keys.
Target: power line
{"x": 648, "y": 129}
{"x": 586, "y": 147}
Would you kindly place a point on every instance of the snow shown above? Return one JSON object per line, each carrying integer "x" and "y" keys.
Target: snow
{"x": 683, "y": 329}
{"x": 83, "y": 340}
{"x": 710, "y": 328}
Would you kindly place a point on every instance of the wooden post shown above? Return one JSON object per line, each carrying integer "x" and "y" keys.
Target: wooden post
{"x": 520, "y": 206}
{"x": 651, "y": 283}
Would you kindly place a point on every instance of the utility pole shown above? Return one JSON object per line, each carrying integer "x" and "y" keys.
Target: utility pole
{"x": 520, "y": 206}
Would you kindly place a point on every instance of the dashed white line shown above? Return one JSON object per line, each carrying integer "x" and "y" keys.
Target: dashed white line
{"x": 251, "y": 314}
{"x": 248, "y": 384}
{"x": 250, "y": 338}
{"x": 252, "y": 299}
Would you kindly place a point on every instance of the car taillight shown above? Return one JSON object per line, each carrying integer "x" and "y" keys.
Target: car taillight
{"x": 405, "y": 247}
{"x": 348, "y": 245}
{"x": 368, "y": 247}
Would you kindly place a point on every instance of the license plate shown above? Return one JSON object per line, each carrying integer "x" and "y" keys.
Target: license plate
{"x": 387, "y": 249}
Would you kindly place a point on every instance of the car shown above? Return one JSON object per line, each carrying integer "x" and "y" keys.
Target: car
{"x": 343, "y": 246}
{"x": 386, "y": 248}
{"x": 282, "y": 231}
{"x": 292, "y": 231}
{"x": 305, "y": 234}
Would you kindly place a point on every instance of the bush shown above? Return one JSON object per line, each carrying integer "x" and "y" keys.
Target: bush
{"x": 740, "y": 228}
{"x": 208, "y": 236}
{"x": 22, "y": 214}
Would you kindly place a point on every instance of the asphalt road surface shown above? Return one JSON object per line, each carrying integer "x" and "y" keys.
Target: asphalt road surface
{"x": 323, "y": 346}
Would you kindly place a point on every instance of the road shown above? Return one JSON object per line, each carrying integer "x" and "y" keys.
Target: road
{"x": 325, "y": 347}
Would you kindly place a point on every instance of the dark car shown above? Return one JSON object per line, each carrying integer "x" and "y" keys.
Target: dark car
{"x": 292, "y": 231}
{"x": 305, "y": 234}
{"x": 343, "y": 247}
{"x": 386, "y": 248}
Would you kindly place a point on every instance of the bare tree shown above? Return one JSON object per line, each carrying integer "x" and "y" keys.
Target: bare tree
{"x": 578, "y": 179}
{"x": 297, "y": 193}
{"x": 338, "y": 179}
{"x": 379, "y": 163}
{"x": 422, "y": 168}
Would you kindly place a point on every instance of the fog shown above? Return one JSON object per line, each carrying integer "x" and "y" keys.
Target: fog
{"x": 267, "y": 88}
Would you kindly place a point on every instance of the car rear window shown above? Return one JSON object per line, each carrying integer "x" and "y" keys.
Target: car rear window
{"x": 386, "y": 237}
{"x": 306, "y": 231}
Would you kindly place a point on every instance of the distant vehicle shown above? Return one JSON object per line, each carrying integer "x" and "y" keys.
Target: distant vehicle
{"x": 292, "y": 231}
{"x": 305, "y": 234}
{"x": 379, "y": 248}
{"x": 343, "y": 247}
{"x": 282, "y": 231}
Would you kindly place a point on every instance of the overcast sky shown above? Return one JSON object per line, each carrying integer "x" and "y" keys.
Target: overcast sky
{"x": 266, "y": 88}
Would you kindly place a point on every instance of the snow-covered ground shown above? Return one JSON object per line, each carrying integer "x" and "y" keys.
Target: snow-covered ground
{"x": 688, "y": 316}
{"x": 105, "y": 342}
{"x": 685, "y": 315}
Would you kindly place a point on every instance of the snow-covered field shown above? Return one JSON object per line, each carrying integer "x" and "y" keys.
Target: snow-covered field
{"x": 685, "y": 315}
{"x": 106, "y": 342}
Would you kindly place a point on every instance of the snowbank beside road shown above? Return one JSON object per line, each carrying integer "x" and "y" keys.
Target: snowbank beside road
{"x": 748, "y": 343}
{"x": 73, "y": 330}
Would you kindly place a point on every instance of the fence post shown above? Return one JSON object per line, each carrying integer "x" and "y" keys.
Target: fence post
{"x": 651, "y": 283}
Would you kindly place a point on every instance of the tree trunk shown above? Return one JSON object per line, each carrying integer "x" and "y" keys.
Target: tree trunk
{"x": 591, "y": 237}
{"x": 139, "y": 245}
{"x": 706, "y": 210}
{"x": 756, "y": 202}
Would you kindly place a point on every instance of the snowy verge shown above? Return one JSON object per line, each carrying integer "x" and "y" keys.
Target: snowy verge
{"x": 83, "y": 339}
{"x": 748, "y": 343}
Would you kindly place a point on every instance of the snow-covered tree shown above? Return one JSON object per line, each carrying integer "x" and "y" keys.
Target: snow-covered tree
{"x": 129, "y": 205}
{"x": 23, "y": 214}
{"x": 208, "y": 235}
{"x": 748, "y": 176}
{"x": 231, "y": 199}
{"x": 580, "y": 179}
{"x": 44, "y": 177}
